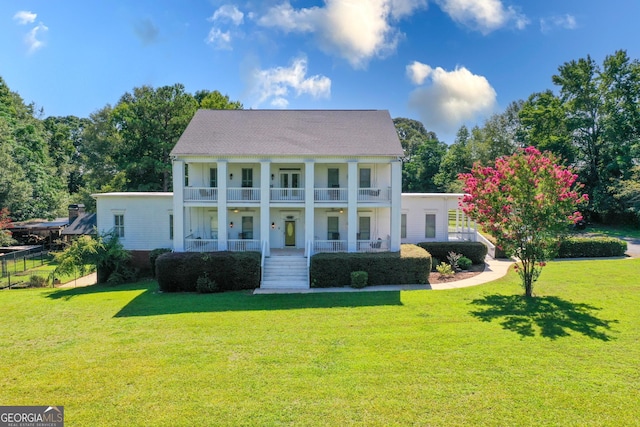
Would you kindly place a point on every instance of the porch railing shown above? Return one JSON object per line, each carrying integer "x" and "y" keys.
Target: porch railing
{"x": 378, "y": 245}
{"x": 243, "y": 245}
{"x": 200, "y": 194}
{"x": 374, "y": 194}
{"x": 330, "y": 194}
{"x": 243, "y": 194}
{"x": 201, "y": 245}
{"x": 329, "y": 246}
{"x": 287, "y": 194}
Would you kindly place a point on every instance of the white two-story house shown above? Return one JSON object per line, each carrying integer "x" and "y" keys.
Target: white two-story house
{"x": 283, "y": 182}
{"x": 274, "y": 179}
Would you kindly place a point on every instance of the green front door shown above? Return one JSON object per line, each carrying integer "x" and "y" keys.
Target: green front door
{"x": 289, "y": 233}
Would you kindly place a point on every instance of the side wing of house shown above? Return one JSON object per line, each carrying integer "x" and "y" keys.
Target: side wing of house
{"x": 142, "y": 221}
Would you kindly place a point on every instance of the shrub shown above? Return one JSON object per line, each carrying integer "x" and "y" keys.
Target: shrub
{"x": 36, "y": 281}
{"x": 359, "y": 279}
{"x": 475, "y": 251}
{"x": 204, "y": 285}
{"x": 588, "y": 247}
{"x": 153, "y": 256}
{"x": 464, "y": 263}
{"x": 453, "y": 259}
{"x": 409, "y": 266}
{"x": 445, "y": 270}
{"x": 179, "y": 271}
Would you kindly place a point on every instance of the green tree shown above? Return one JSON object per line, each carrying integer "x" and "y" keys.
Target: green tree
{"x": 24, "y": 147}
{"x": 5, "y": 235}
{"x": 216, "y": 101}
{"x": 543, "y": 125}
{"x": 456, "y": 160}
{"x": 526, "y": 201}
{"x": 150, "y": 122}
{"x": 603, "y": 119}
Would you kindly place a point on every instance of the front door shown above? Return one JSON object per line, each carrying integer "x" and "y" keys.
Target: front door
{"x": 290, "y": 182}
{"x": 289, "y": 233}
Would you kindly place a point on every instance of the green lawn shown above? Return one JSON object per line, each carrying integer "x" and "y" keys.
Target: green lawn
{"x": 618, "y": 231}
{"x": 128, "y": 356}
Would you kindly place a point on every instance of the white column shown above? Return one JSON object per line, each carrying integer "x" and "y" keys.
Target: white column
{"x": 223, "y": 226}
{"x": 396, "y": 204}
{"x": 309, "y": 202}
{"x": 265, "y": 199}
{"x": 178, "y": 205}
{"x": 352, "y": 206}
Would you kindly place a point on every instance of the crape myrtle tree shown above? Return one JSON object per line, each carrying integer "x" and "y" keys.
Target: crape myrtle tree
{"x": 527, "y": 201}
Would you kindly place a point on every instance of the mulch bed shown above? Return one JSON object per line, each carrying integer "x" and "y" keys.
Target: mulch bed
{"x": 434, "y": 277}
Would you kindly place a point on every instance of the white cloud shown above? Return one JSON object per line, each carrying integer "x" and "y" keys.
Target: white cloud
{"x": 228, "y": 12}
{"x": 219, "y": 39}
{"x": 452, "y": 98}
{"x": 482, "y": 15}
{"x": 418, "y": 72}
{"x": 274, "y": 85}
{"x": 354, "y": 30}
{"x": 567, "y": 22}
{"x": 31, "y": 39}
{"x": 25, "y": 17}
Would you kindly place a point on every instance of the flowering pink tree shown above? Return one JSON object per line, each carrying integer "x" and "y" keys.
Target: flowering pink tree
{"x": 526, "y": 201}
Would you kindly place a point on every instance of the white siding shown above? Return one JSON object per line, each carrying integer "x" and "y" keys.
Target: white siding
{"x": 146, "y": 218}
{"x": 416, "y": 206}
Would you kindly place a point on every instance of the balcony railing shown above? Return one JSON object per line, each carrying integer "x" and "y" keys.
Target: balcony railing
{"x": 287, "y": 194}
{"x": 329, "y": 246}
{"x": 373, "y": 245}
{"x": 243, "y": 194}
{"x": 244, "y": 245}
{"x": 374, "y": 194}
{"x": 201, "y": 245}
{"x": 200, "y": 194}
{"x": 330, "y": 194}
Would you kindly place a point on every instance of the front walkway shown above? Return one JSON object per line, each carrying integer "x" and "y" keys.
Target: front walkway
{"x": 494, "y": 269}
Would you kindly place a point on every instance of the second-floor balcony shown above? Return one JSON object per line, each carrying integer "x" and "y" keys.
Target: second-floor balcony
{"x": 245, "y": 194}
{"x": 321, "y": 195}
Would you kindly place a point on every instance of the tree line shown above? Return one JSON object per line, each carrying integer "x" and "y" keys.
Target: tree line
{"x": 591, "y": 122}
{"x": 48, "y": 163}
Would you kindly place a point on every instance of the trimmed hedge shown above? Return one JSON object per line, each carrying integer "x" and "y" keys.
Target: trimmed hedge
{"x": 231, "y": 271}
{"x": 153, "y": 256}
{"x": 591, "y": 247}
{"x": 475, "y": 251}
{"x": 409, "y": 266}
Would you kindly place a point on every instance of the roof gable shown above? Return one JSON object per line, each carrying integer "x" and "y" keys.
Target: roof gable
{"x": 289, "y": 132}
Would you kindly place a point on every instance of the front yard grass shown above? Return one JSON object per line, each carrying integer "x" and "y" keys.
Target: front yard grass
{"x": 129, "y": 356}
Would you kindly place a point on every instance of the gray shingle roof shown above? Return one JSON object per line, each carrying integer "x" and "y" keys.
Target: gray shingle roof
{"x": 83, "y": 224}
{"x": 290, "y": 132}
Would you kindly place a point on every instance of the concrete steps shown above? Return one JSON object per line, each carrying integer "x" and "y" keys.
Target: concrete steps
{"x": 285, "y": 272}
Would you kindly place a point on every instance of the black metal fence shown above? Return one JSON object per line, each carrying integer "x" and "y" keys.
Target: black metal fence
{"x": 12, "y": 264}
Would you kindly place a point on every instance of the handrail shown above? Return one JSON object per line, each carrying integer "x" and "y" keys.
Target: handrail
{"x": 264, "y": 252}
{"x": 309, "y": 250}
{"x": 491, "y": 248}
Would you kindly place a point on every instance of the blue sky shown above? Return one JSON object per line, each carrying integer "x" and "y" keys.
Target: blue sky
{"x": 443, "y": 62}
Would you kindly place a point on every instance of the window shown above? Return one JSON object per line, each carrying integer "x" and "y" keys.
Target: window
{"x": 247, "y": 177}
{"x": 186, "y": 175}
{"x": 333, "y": 178}
{"x": 214, "y": 226}
{"x": 247, "y": 227}
{"x": 213, "y": 177}
{"x": 333, "y": 229}
{"x": 403, "y": 226}
{"x": 365, "y": 178}
{"x": 170, "y": 226}
{"x": 430, "y": 226}
{"x": 118, "y": 225}
{"x": 364, "y": 228}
